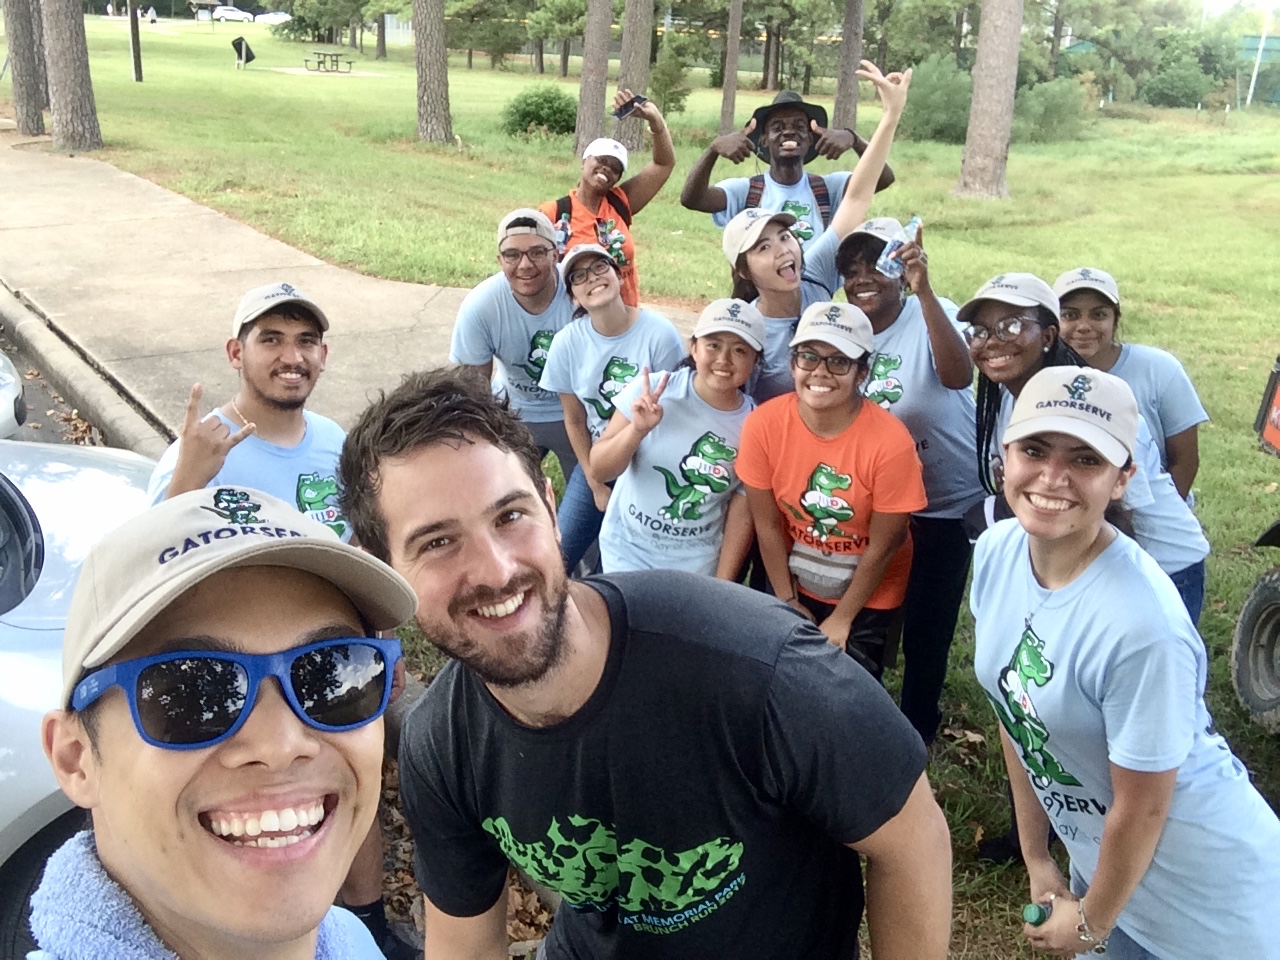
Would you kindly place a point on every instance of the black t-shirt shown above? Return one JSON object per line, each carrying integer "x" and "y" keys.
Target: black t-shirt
{"x": 697, "y": 805}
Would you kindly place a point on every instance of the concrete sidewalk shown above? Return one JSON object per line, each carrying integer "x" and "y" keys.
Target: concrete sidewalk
{"x": 124, "y": 292}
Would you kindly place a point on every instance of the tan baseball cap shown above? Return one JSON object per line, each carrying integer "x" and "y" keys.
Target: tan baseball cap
{"x": 838, "y": 325}
{"x": 1090, "y": 405}
{"x": 260, "y": 300}
{"x": 882, "y": 228}
{"x": 1018, "y": 289}
{"x": 139, "y": 569}
{"x": 732, "y": 316}
{"x": 1087, "y": 278}
{"x": 743, "y": 231}
{"x": 541, "y": 225}
{"x": 582, "y": 251}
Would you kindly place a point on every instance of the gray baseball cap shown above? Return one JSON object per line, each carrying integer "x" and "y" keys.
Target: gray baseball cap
{"x": 838, "y": 325}
{"x": 1088, "y": 278}
{"x": 1018, "y": 289}
{"x": 262, "y": 300}
{"x": 542, "y": 227}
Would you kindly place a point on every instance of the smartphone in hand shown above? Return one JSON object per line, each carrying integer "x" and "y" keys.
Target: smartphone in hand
{"x": 629, "y": 107}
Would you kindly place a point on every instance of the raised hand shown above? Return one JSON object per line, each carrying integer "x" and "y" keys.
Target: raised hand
{"x": 736, "y": 145}
{"x": 203, "y": 446}
{"x": 831, "y": 142}
{"x": 646, "y": 411}
{"x": 892, "y": 88}
{"x": 915, "y": 264}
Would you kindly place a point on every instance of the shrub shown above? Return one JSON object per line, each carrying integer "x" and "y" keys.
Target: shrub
{"x": 1179, "y": 84}
{"x": 939, "y": 105}
{"x": 1049, "y": 111}
{"x": 543, "y": 106}
{"x": 667, "y": 84}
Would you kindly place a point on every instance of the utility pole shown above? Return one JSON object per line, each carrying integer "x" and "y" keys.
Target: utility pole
{"x": 1257, "y": 61}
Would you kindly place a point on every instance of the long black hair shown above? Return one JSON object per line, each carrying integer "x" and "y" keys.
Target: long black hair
{"x": 989, "y": 397}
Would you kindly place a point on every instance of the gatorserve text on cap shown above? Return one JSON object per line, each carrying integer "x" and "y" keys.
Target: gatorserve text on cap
{"x": 541, "y": 225}
{"x": 1088, "y": 278}
{"x": 142, "y": 567}
{"x": 263, "y": 299}
{"x": 1091, "y": 405}
{"x": 839, "y": 325}
{"x": 732, "y": 316}
{"x": 743, "y": 231}
{"x": 1016, "y": 289}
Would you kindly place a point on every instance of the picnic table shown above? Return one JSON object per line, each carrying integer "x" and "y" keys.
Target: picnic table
{"x": 327, "y": 61}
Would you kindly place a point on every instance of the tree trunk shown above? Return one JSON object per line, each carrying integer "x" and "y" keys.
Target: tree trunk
{"x": 845, "y": 112}
{"x": 471, "y": 57}
{"x": 75, "y": 114}
{"x": 959, "y": 35}
{"x": 595, "y": 74}
{"x": 770, "y": 42}
{"x": 729, "y": 85}
{"x": 42, "y": 71}
{"x": 20, "y": 31}
{"x": 995, "y": 80}
{"x": 564, "y": 57}
{"x": 884, "y": 9}
{"x": 1055, "y": 41}
{"x": 135, "y": 41}
{"x": 432, "y": 57}
{"x": 633, "y": 70}
{"x": 355, "y": 28}
{"x": 539, "y": 62}
{"x": 808, "y": 79}
{"x": 380, "y": 44}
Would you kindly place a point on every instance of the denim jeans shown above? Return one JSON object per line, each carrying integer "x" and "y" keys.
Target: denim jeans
{"x": 1120, "y": 946}
{"x": 579, "y": 519}
{"x": 1190, "y": 584}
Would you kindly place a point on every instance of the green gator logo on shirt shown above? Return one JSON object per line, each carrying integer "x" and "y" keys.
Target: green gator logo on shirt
{"x": 803, "y": 227}
{"x": 822, "y": 508}
{"x": 580, "y": 859}
{"x": 703, "y": 469}
{"x": 539, "y": 344}
{"x": 1029, "y": 668}
{"x": 618, "y": 372}
{"x": 881, "y": 388}
{"x": 314, "y": 496}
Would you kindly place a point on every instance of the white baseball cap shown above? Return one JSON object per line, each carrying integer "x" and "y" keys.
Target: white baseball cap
{"x": 743, "y": 231}
{"x": 1090, "y": 405}
{"x": 838, "y": 325}
{"x": 1018, "y": 289}
{"x": 141, "y": 568}
{"x": 605, "y": 147}
{"x": 882, "y": 228}
{"x": 264, "y": 299}
{"x": 732, "y": 316}
{"x": 581, "y": 251}
{"x": 541, "y": 225}
{"x": 1088, "y": 278}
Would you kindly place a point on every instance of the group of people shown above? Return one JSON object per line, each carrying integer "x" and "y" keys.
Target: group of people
{"x": 696, "y": 767}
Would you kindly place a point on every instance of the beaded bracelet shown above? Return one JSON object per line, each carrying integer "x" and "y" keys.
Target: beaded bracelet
{"x": 1086, "y": 935}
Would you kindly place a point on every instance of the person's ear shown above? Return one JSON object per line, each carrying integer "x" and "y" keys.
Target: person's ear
{"x": 235, "y": 353}
{"x": 1049, "y": 336}
{"x": 71, "y": 754}
{"x": 1122, "y": 481}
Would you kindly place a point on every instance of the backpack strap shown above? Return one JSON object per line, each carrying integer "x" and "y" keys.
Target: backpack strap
{"x": 755, "y": 190}
{"x": 818, "y": 185}
{"x": 620, "y": 205}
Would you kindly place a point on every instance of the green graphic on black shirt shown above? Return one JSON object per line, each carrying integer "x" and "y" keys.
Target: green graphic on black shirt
{"x": 580, "y": 859}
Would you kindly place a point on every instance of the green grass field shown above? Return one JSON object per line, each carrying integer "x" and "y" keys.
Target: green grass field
{"x": 1182, "y": 208}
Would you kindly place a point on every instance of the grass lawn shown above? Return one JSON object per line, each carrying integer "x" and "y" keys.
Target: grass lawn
{"x": 1182, "y": 208}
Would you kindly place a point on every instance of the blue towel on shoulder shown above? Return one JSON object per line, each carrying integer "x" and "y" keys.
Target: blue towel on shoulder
{"x": 80, "y": 913}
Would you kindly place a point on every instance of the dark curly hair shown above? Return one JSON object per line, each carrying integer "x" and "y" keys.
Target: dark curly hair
{"x": 433, "y": 406}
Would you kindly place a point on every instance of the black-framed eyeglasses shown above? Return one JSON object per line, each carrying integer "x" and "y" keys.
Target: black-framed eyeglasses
{"x": 597, "y": 268}
{"x": 537, "y": 256}
{"x": 1010, "y": 328}
{"x": 837, "y": 363}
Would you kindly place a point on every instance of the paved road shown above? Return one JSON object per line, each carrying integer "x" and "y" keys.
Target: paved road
{"x": 50, "y": 417}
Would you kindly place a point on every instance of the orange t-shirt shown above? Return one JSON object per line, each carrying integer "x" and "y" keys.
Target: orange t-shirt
{"x": 827, "y": 489}
{"x": 605, "y": 227}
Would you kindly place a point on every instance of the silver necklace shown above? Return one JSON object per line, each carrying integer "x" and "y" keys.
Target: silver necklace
{"x": 1089, "y": 555}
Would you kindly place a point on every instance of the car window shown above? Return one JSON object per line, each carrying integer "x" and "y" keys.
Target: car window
{"x": 21, "y": 547}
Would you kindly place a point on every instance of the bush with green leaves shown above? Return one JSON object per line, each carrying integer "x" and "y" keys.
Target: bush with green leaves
{"x": 667, "y": 86}
{"x": 939, "y": 105}
{"x": 543, "y": 106}
{"x": 1178, "y": 84}
{"x": 1047, "y": 112}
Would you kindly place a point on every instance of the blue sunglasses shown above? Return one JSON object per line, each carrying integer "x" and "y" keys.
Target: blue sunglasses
{"x": 188, "y": 700}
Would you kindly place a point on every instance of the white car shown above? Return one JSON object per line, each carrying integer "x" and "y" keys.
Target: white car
{"x": 223, "y": 14}
{"x": 272, "y": 18}
{"x": 56, "y": 502}
{"x": 13, "y": 409}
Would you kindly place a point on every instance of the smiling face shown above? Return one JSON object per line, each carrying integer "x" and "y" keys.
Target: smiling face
{"x": 534, "y": 273}
{"x": 787, "y": 134}
{"x": 159, "y": 815}
{"x": 773, "y": 263}
{"x": 593, "y": 282}
{"x": 601, "y": 173}
{"x": 1011, "y": 362}
{"x": 876, "y": 295}
{"x": 819, "y": 389}
{"x": 475, "y": 537}
{"x": 723, "y": 361}
{"x": 1059, "y": 487}
{"x": 1088, "y": 323}
{"x": 279, "y": 359}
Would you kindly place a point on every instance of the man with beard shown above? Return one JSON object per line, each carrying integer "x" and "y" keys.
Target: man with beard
{"x": 686, "y": 762}
{"x": 786, "y": 134}
{"x": 264, "y": 436}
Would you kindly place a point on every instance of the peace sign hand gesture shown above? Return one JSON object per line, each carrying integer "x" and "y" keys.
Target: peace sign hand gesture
{"x": 646, "y": 411}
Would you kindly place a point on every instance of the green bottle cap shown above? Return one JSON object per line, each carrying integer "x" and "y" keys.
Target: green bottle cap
{"x": 1035, "y": 914}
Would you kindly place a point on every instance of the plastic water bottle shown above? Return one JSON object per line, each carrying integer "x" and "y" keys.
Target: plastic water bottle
{"x": 1036, "y": 913}
{"x": 890, "y": 265}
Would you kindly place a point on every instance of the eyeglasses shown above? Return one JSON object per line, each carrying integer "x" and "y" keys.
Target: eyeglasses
{"x": 187, "y": 700}
{"x": 598, "y": 268}
{"x": 537, "y": 256}
{"x": 1010, "y": 328}
{"x": 837, "y": 363}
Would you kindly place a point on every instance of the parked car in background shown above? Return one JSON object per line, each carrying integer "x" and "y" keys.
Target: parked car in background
{"x": 13, "y": 409}
{"x": 225, "y": 13}
{"x": 272, "y": 18}
{"x": 56, "y": 502}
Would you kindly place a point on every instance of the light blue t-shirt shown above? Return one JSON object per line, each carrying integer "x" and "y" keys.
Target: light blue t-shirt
{"x": 1166, "y": 397}
{"x": 595, "y": 368}
{"x": 818, "y": 280}
{"x": 1163, "y": 524}
{"x": 903, "y": 381}
{"x": 305, "y": 475}
{"x": 1111, "y": 670}
{"x": 492, "y": 325}
{"x": 667, "y": 509}
{"x": 796, "y": 199}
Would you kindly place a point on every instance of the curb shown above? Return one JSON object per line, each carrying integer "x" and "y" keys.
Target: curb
{"x": 75, "y": 378}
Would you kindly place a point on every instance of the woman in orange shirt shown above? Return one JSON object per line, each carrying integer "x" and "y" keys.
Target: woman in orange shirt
{"x": 832, "y": 481}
